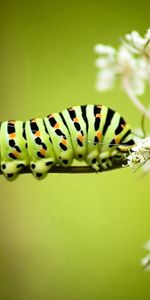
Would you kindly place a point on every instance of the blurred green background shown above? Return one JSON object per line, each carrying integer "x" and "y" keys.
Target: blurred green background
{"x": 68, "y": 237}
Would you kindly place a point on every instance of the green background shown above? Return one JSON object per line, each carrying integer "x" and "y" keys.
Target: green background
{"x": 69, "y": 237}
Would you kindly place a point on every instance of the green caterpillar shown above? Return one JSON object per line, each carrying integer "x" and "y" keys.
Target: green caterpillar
{"x": 95, "y": 134}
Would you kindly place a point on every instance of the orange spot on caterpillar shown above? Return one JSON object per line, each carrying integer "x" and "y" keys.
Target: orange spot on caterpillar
{"x": 80, "y": 137}
{"x": 99, "y": 134}
{"x": 56, "y": 125}
{"x": 37, "y": 133}
{"x": 122, "y": 125}
{"x": 98, "y": 116}
{"x": 12, "y": 135}
{"x": 43, "y": 151}
{"x": 16, "y": 153}
{"x": 75, "y": 120}
{"x": 64, "y": 142}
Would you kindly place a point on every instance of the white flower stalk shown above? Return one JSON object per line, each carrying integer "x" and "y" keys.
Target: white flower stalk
{"x": 130, "y": 63}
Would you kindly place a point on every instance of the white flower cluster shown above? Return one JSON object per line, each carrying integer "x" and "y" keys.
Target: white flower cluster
{"x": 140, "y": 155}
{"x": 145, "y": 262}
{"x": 131, "y": 63}
{"x": 138, "y": 44}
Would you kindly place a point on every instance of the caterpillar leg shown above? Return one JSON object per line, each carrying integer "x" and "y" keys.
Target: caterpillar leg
{"x": 40, "y": 168}
{"x": 92, "y": 160}
{"x": 108, "y": 158}
{"x": 11, "y": 169}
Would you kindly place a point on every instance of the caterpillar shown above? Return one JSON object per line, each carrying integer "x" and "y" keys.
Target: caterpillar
{"x": 95, "y": 134}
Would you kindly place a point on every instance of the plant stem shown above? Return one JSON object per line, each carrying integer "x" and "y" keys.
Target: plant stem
{"x": 76, "y": 169}
{"x": 134, "y": 99}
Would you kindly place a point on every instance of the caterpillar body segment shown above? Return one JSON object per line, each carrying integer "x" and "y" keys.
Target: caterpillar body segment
{"x": 13, "y": 148}
{"x": 60, "y": 139}
{"x": 95, "y": 134}
{"x": 40, "y": 149}
{"x": 77, "y": 129}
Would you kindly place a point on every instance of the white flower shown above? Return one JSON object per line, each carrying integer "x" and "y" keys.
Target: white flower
{"x": 130, "y": 63}
{"x": 138, "y": 44}
{"x": 105, "y": 79}
{"x": 122, "y": 64}
{"x": 104, "y": 62}
{"x": 103, "y": 49}
{"x": 140, "y": 154}
{"x": 131, "y": 68}
{"x": 125, "y": 62}
{"x": 147, "y": 35}
{"x": 145, "y": 262}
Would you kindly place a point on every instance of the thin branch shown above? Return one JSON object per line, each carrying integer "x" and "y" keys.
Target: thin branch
{"x": 76, "y": 169}
{"x": 134, "y": 99}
